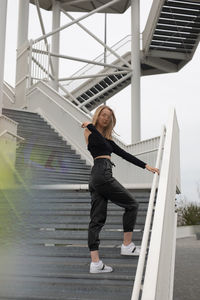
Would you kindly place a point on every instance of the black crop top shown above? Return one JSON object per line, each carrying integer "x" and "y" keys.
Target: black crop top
{"x": 99, "y": 145}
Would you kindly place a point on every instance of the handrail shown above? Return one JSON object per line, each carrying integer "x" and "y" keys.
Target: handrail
{"x": 98, "y": 61}
{"x": 141, "y": 262}
{"x": 11, "y": 100}
{"x": 159, "y": 272}
{"x": 80, "y": 59}
{"x": 12, "y": 134}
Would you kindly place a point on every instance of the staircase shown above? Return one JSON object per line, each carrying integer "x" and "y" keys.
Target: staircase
{"x": 170, "y": 38}
{"x": 43, "y": 234}
{"x": 45, "y": 158}
{"x": 174, "y": 33}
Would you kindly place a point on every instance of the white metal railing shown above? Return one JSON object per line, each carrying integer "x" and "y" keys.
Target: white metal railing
{"x": 39, "y": 63}
{"x": 159, "y": 272}
{"x": 40, "y": 68}
{"x": 144, "y": 245}
{"x": 121, "y": 47}
{"x": 35, "y": 62}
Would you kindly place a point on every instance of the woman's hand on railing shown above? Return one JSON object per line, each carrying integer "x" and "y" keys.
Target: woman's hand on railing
{"x": 153, "y": 170}
{"x": 85, "y": 124}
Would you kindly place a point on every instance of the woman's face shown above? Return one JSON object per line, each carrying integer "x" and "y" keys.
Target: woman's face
{"x": 104, "y": 118}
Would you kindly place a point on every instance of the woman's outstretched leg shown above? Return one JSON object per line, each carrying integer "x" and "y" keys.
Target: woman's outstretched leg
{"x": 115, "y": 192}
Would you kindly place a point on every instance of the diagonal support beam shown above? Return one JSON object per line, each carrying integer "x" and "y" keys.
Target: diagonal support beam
{"x": 77, "y": 20}
{"x": 82, "y": 60}
{"x": 98, "y": 40}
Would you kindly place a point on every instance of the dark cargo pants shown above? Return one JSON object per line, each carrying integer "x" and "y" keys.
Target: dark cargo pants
{"x": 103, "y": 187}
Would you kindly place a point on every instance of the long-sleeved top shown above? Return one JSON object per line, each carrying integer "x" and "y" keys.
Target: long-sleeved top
{"x": 99, "y": 145}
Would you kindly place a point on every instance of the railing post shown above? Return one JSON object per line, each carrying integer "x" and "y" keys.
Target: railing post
{"x": 48, "y": 63}
{"x": 30, "y": 64}
{"x": 23, "y": 19}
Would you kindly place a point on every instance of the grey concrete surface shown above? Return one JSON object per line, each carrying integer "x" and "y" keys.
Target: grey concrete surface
{"x": 187, "y": 269}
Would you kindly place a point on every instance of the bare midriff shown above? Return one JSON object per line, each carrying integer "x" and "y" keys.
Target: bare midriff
{"x": 103, "y": 156}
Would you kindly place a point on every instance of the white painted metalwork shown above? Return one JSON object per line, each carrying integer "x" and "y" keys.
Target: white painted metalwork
{"x": 23, "y": 22}
{"x": 22, "y": 69}
{"x": 3, "y": 14}
{"x": 159, "y": 274}
{"x": 77, "y": 20}
{"x": 121, "y": 47}
{"x": 81, "y": 60}
{"x": 56, "y": 41}
{"x": 99, "y": 41}
{"x": 172, "y": 29}
{"x": 94, "y": 75}
{"x": 39, "y": 68}
{"x": 8, "y": 124}
{"x": 72, "y": 98}
{"x": 87, "y": 5}
{"x": 141, "y": 261}
{"x": 46, "y": 41}
{"x": 136, "y": 72}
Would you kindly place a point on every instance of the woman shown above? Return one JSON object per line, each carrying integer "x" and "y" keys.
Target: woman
{"x": 104, "y": 186}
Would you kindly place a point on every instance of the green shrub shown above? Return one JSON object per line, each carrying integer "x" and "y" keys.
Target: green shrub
{"x": 189, "y": 214}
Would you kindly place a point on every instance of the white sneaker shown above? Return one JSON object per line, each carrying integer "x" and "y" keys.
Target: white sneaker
{"x": 131, "y": 249}
{"x": 100, "y": 268}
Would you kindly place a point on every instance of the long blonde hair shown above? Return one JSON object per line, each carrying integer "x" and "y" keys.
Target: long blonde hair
{"x": 109, "y": 129}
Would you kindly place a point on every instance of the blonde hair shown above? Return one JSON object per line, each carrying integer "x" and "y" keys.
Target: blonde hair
{"x": 109, "y": 129}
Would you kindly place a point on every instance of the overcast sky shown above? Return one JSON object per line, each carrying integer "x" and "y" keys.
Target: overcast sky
{"x": 159, "y": 92}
